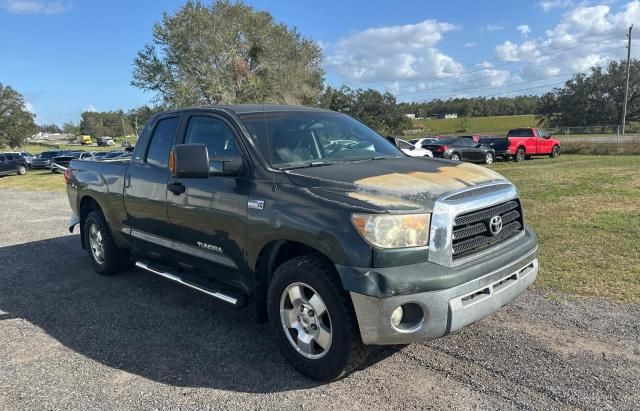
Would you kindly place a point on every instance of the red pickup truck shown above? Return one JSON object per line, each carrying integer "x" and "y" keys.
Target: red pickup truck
{"x": 526, "y": 142}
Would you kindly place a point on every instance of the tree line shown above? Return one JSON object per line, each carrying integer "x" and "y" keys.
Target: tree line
{"x": 474, "y": 106}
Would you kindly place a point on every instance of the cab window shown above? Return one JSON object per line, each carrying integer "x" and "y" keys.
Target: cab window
{"x": 214, "y": 133}
{"x": 161, "y": 142}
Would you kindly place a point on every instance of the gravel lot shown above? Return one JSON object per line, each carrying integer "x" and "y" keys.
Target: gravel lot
{"x": 70, "y": 339}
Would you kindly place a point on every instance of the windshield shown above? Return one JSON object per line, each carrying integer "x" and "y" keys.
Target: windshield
{"x": 302, "y": 139}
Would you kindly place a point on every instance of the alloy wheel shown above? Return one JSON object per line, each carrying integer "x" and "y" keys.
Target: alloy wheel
{"x": 306, "y": 321}
{"x": 95, "y": 243}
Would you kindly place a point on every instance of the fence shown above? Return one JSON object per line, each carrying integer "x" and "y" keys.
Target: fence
{"x": 580, "y": 134}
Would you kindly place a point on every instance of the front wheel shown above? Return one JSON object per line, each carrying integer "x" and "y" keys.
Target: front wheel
{"x": 489, "y": 158}
{"x": 22, "y": 170}
{"x": 555, "y": 152}
{"x": 313, "y": 319}
{"x": 455, "y": 157}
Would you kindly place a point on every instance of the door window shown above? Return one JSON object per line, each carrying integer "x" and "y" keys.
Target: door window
{"x": 213, "y": 133}
{"x": 161, "y": 142}
{"x": 2, "y": 158}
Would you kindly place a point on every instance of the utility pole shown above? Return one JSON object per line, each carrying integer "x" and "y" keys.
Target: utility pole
{"x": 124, "y": 133}
{"x": 626, "y": 89}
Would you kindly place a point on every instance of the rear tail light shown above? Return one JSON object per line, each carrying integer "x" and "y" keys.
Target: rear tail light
{"x": 442, "y": 149}
{"x": 67, "y": 175}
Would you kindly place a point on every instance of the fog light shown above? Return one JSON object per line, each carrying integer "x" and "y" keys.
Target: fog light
{"x": 396, "y": 316}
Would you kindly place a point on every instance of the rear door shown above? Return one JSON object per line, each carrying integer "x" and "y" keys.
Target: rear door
{"x": 146, "y": 189}
{"x": 208, "y": 219}
{"x": 4, "y": 167}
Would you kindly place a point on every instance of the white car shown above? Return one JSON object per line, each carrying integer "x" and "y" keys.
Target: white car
{"x": 413, "y": 151}
{"x": 421, "y": 142}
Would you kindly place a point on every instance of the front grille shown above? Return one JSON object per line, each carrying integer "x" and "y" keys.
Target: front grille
{"x": 472, "y": 232}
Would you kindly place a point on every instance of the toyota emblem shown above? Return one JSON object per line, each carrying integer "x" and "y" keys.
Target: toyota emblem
{"x": 495, "y": 225}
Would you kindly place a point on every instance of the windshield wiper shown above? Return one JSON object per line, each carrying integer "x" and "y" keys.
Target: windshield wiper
{"x": 312, "y": 164}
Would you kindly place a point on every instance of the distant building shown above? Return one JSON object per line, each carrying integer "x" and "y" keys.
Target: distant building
{"x": 410, "y": 116}
{"x": 445, "y": 115}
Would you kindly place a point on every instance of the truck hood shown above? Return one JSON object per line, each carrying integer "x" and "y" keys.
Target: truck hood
{"x": 393, "y": 184}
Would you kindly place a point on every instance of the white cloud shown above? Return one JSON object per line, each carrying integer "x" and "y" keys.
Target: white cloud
{"x": 493, "y": 27}
{"x": 35, "y": 6}
{"x": 524, "y": 29}
{"x": 470, "y": 44}
{"x": 548, "y": 5}
{"x": 90, "y": 108}
{"x": 585, "y": 36}
{"x": 29, "y": 107}
{"x": 393, "y": 53}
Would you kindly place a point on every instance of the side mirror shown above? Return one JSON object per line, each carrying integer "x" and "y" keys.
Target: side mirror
{"x": 230, "y": 165}
{"x": 189, "y": 161}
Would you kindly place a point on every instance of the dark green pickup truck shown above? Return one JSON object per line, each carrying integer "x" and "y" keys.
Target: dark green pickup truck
{"x": 338, "y": 239}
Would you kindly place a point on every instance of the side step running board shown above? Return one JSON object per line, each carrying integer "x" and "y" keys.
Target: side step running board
{"x": 237, "y": 301}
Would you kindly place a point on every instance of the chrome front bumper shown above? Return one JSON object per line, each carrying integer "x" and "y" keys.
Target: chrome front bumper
{"x": 445, "y": 310}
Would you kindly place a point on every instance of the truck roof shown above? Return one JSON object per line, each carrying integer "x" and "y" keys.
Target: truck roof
{"x": 250, "y": 108}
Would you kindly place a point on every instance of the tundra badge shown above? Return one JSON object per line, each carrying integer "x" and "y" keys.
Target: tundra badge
{"x": 256, "y": 204}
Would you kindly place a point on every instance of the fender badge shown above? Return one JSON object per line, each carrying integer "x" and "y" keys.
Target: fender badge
{"x": 256, "y": 204}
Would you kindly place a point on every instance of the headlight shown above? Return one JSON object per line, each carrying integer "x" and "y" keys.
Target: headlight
{"x": 393, "y": 231}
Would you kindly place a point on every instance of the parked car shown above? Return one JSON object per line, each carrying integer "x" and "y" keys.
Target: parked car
{"x": 336, "y": 250}
{"x": 105, "y": 141}
{"x": 44, "y": 159}
{"x": 531, "y": 141}
{"x": 28, "y": 157}
{"x": 60, "y": 163}
{"x": 462, "y": 149}
{"x": 500, "y": 145}
{"x": 409, "y": 149}
{"x": 12, "y": 163}
{"x": 423, "y": 142}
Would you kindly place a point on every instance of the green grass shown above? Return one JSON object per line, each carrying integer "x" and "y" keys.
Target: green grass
{"x": 40, "y": 180}
{"x": 585, "y": 209}
{"x": 499, "y": 125}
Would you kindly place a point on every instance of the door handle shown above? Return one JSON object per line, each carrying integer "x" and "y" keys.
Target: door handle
{"x": 176, "y": 188}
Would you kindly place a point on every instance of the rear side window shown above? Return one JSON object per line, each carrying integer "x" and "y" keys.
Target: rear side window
{"x": 161, "y": 141}
{"x": 521, "y": 132}
{"x": 2, "y": 158}
{"x": 213, "y": 133}
{"x": 10, "y": 156}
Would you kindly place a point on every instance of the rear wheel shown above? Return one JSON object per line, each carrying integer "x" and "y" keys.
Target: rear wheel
{"x": 313, "y": 320}
{"x": 106, "y": 257}
{"x": 520, "y": 155}
{"x": 555, "y": 152}
{"x": 22, "y": 170}
{"x": 489, "y": 158}
{"x": 455, "y": 157}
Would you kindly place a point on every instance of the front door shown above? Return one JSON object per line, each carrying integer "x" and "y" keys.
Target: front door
{"x": 146, "y": 191}
{"x": 208, "y": 220}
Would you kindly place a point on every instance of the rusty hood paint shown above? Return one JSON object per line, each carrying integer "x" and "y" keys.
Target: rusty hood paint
{"x": 393, "y": 184}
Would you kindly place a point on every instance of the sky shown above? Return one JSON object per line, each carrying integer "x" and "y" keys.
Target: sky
{"x": 68, "y": 56}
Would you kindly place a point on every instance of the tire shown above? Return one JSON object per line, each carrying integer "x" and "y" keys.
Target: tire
{"x": 489, "y": 158}
{"x": 520, "y": 155}
{"x": 22, "y": 170}
{"x": 314, "y": 279}
{"x": 106, "y": 257}
{"x": 455, "y": 157}
{"x": 555, "y": 152}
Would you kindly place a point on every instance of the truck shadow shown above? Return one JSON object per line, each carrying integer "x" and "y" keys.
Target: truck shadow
{"x": 142, "y": 324}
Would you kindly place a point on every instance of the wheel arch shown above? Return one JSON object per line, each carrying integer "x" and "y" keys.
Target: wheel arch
{"x": 270, "y": 257}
